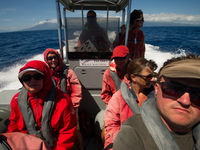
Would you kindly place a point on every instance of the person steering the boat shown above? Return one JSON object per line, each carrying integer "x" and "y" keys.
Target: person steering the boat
{"x": 93, "y": 33}
{"x": 42, "y": 110}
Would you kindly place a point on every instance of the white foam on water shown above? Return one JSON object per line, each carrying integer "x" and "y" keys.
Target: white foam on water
{"x": 9, "y": 80}
{"x": 154, "y": 53}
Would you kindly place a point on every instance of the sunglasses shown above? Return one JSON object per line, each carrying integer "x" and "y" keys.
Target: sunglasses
{"x": 36, "y": 76}
{"x": 176, "y": 90}
{"x": 140, "y": 19}
{"x": 52, "y": 57}
{"x": 148, "y": 77}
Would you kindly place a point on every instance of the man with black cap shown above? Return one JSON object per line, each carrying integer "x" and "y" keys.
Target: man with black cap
{"x": 171, "y": 121}
{"x": 94, "y": 33}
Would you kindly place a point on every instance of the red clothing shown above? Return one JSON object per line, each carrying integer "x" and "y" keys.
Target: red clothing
{"x": 73, "y": 84}
{"x": 116, "y": 113}
{"x": 21, "y": 141}
{"x": 63, "y": 120}
{"x": 108, "y": 85}
{"x": 136, "y": 43}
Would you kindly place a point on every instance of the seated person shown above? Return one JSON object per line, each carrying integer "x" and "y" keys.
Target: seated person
{"x": 94, "y": 33}
{"x": 171, "y": 119}
{"x": 42, "y": 110}
{"x": 128, "y": 99}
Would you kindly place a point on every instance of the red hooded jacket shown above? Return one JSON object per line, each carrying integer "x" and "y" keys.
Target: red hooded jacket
{"x": 63, "y": 120}
{"x": 73, "y": 84}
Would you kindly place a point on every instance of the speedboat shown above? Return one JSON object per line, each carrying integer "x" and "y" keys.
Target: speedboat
{"x": 88, "y": 63}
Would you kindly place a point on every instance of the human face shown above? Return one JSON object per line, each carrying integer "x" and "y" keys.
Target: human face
{"x": 32, "y": 82}
{"x": 121, "y": 62}
{"x": 179, "y": 114}
{"x": 52, "y": 60}
{"x": 140, "y": 21}
{"x": 144, "y": 78}
{"x": 123, "y": 29}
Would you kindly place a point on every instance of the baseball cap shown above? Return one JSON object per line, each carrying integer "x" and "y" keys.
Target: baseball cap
{"x": 120, "y": 51}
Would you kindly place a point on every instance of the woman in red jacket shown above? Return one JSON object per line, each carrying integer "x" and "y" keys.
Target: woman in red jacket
{"x": 42, "y": 110}
{"x": 65, "y": 78}
{"x": 127, "y": 101}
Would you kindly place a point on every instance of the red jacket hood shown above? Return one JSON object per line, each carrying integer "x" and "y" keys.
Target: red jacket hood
{"x": 42, "y": 67}
{"x": 60, "y": 62}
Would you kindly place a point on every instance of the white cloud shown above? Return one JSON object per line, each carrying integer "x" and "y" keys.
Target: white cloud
{"x": 164, "y": 17}
{"x": 174, "y": 18}
{"x": 46, "y": 21}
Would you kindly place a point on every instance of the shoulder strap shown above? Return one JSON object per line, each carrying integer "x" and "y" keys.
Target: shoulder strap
{"x": 116, "y": 79}
{"x": 63, "y": 80}
{"x": 28, "y": 117}
{"x": 4, "y": 144}
{"x": 156, "y": 127}
{"x": 130, "y": 98}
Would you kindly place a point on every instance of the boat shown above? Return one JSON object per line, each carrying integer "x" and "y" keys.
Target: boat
{"x": 88, "y": 65}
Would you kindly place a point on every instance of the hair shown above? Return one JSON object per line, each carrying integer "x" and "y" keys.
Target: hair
{"x": 91, "y": 13}
{"x": 137, "y": 65}
{"x": 135, "y": 15}
{"x": 176, "y": 59}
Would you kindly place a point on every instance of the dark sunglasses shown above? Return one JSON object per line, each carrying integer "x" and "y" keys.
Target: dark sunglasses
{"x": 52, "y": 57}
{"x": 148, "y": 77}
{"x": 176, "y": 90}
{"x": 36, "y": 76}
{"x": 140, "y": 19}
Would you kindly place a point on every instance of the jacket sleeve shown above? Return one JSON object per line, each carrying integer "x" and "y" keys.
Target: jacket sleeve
{"x": 66, "y": 134}
{"x": 75, "y": 88}
{"x": 112, "y": 119}
{"x": 12, "y": 127}
{"x": 107, "y": 87}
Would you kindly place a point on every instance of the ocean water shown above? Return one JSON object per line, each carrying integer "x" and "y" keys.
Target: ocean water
{"x": 17, "y": 48}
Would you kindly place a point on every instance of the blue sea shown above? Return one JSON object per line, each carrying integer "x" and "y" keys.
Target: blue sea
{"x": 17, "y": 48}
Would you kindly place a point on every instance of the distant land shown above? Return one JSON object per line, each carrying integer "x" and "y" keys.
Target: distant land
{"x": 76, "y": 23}
{"x": 52, "y": 26}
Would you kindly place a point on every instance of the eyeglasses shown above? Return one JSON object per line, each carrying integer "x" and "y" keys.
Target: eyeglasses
{"x": 52, "y": 57}
{"x": 140, "y": 19}
{"x": 36, "y": 76}
{"x": 148, "y": 77}
{"x": 176, "y": 90}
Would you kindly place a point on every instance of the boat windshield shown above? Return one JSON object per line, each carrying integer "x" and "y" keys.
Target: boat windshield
{"x": 93, "y": 40}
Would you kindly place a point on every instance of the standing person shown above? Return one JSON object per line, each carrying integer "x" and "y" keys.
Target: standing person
{"x": 93, "y": 32}
{"x": 171, "y": 121}
{"x": 127, "y": 101}
{"x": 136, "y": 42}
{"x": 115, "y": 73}
{"x": 41, "y": 109}
{"x": 66, "y": 80}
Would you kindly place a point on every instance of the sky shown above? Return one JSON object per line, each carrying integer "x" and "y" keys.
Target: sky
{"x": 20, "y": 14}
